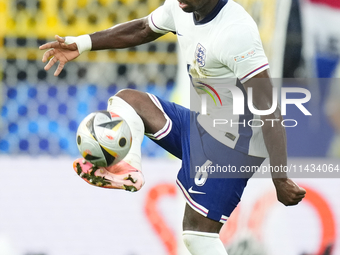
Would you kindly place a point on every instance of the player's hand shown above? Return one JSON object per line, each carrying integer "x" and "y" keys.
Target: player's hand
{"x": 59, "y": 51}
{"x": 288, "y": 192}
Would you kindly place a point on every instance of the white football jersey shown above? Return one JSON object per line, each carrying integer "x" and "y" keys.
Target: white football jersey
{"x": 224, "y": 49}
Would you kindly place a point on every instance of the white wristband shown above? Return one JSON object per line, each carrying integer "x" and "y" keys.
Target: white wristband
{"x": 83, "y": 42}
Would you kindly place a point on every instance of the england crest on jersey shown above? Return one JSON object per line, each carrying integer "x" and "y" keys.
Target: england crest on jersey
{"x": 200, "y": 55}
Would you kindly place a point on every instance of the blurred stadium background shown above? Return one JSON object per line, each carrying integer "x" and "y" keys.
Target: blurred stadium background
{"x": 46, "y": 209}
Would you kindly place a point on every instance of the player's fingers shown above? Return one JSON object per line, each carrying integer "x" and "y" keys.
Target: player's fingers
{"x": 47, "y": 54}
{"x": 61, "y": 41}
{"x": 50, "y": 63}
{"x": 45, "y": 46}
{"x": 59, "y": 38}
{"x": 296, "y": 196}
{"x": 64, "y": 45}
{"x": 59, "y": 69}
{"x": 49, "y": 45}
{"x": 301, "y": 191}
{"x": 292, "y": 201}
{"x": 299, "y": 196}
{"x": 297, "y": 199}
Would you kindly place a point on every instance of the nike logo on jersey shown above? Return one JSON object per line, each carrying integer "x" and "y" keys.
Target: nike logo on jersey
{"x": 195, "y": 192}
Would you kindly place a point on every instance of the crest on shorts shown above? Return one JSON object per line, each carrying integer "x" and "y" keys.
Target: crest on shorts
{"x": 200, "y": 55}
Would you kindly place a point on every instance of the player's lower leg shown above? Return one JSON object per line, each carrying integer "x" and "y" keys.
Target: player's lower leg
{"x": 127, "y": 173}
{"x": 127, "y": 112}
{"x": 203, "y": 243}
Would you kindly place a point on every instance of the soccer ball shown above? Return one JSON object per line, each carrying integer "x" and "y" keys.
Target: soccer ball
{"x": 104, "y": 138}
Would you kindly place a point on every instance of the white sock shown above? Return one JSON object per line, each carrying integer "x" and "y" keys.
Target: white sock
{"x": 202, "y": 243}
{"x": 123, "y": 109}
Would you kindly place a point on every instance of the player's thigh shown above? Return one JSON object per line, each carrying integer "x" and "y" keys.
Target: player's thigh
{"x": 153, "y": 118}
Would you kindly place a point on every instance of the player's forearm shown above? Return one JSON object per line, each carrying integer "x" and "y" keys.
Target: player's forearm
{"x": 274, "y": 135}
{"x": 129, "y": 34}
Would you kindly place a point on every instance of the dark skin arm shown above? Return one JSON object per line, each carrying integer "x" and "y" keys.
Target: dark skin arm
{"x": 125, "y": 35}
{"x": 288, "y": 192}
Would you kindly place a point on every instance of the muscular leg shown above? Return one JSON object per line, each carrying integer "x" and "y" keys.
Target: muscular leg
{"x": 200, "y": 233}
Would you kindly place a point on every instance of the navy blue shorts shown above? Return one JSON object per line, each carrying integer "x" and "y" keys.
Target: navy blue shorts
{"x": 212, "y": 197}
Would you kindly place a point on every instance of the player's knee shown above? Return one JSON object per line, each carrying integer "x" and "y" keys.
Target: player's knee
{"x": 124, "y": 93}
{"x": 202, "y": 243}
{"x": 129, "y": 95}
{"x": 133, "y": 97}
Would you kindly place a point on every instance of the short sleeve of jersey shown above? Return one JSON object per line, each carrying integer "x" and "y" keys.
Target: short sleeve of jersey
{"x": 242, "y": 52}
{"x": 161, "y": 20}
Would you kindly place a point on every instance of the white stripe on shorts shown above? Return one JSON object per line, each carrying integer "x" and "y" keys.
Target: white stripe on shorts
{"x": 168, "y": 125}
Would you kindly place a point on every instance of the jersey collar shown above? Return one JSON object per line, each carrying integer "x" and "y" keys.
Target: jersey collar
{"x": 212, "y": 14}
